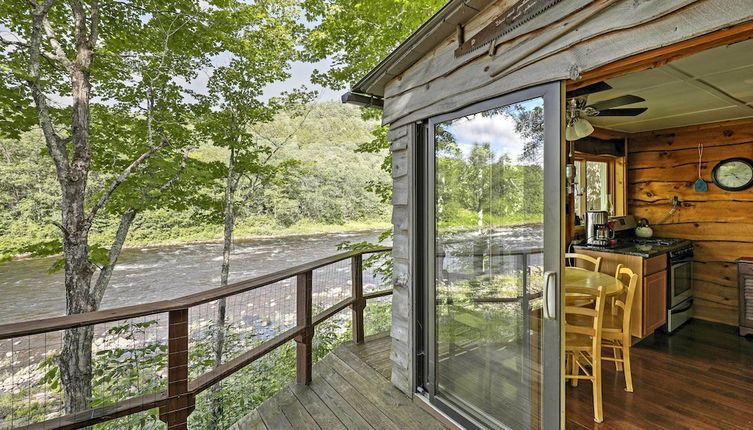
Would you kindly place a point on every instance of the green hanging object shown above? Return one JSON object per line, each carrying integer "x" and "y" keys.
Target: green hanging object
{"x": 700, "y": 186}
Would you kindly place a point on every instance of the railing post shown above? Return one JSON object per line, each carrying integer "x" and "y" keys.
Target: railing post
{"x": 303, "y": 350}
{"x": 359, "y": 303}
{"x": 180, "y": 402}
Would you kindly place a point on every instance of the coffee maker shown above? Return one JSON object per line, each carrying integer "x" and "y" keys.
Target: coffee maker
{"x": 598, "y": 230}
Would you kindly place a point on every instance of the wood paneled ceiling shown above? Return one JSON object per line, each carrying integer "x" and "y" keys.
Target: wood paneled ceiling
{"x": 715, "y": 85}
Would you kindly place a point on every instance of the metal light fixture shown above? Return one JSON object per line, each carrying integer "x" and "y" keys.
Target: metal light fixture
{"x": 578, "y": 128}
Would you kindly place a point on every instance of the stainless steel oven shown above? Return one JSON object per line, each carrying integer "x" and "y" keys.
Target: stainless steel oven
{"x": 680, "y": 287}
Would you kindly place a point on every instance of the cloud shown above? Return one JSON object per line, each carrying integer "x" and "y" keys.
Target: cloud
{"x": 497, "y": 130}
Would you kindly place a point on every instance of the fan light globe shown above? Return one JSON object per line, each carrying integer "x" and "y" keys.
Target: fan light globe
{"x": 579, "y": 129}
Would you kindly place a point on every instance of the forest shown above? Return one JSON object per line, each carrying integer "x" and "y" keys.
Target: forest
{"x": 324, "y": 187}
{"x": 139, "y": 122}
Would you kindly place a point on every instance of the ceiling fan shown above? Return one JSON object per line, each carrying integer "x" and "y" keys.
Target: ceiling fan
{"x": 578, "y": 109}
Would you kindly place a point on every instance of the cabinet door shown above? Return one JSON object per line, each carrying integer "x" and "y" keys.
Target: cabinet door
{"x": 654, "y": 301}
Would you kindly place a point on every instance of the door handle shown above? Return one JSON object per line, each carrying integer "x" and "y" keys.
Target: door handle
{"x": 550, "y": 296}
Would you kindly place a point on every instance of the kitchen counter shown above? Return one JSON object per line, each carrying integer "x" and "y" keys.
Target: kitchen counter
{"x": 635, "y": 247}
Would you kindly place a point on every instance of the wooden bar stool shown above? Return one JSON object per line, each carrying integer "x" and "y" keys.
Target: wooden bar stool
{"x": 616, "y": 328}
{"x": 583, "y": 343}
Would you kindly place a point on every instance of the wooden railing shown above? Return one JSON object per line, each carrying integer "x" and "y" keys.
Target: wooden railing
{"x": 178, "y": 401}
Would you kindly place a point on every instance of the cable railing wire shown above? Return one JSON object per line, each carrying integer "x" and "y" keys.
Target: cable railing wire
{"x": 151, "y": 361}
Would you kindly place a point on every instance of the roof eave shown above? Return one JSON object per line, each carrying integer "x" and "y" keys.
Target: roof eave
{"x": 443, "y": 24}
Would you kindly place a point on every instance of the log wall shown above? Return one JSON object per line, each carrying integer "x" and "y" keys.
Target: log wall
{"x": 663, "y": 164}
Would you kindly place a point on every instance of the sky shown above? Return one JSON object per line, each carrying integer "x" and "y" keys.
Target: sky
{"x": 301, "y": 75}
{"x": 498, "y": 130}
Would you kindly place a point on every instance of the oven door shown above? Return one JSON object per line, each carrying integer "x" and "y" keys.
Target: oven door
{"x": 680, "y": 281}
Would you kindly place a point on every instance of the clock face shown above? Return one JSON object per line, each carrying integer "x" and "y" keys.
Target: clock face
{"x": 734, "y": 174}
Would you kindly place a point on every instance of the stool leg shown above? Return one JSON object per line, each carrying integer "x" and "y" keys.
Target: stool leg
{"x": 628, "y": 372}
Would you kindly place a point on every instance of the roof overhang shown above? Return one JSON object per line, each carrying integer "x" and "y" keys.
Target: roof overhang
{"x": 440, "y": 26}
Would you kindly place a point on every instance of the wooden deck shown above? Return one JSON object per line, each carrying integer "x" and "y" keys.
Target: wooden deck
{"x": 350, "y": 389}
{"x": 699, "y": 378}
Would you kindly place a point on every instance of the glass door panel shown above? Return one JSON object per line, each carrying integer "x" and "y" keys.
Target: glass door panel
{"x": 491, "y": 191}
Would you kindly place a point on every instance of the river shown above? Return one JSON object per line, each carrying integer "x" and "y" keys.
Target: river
{"x": 145, "y": 275}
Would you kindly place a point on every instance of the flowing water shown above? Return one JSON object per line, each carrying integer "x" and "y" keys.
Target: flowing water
{"x": 145, "y": 275}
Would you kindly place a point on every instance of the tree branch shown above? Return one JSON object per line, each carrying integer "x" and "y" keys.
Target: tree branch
{"x": 122, "y": 178}
{"x": 62, "y": 229}
{"x": 57, "y": 48}
{"x": 94, "y": 24}
{"x": 42, "y": 52}
{"x": 55, "y": 144}
{"x": 175, "y": 178}
{"x": 105, "y": 273}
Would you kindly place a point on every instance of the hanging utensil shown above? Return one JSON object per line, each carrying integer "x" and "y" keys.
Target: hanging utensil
{"x": 700, "y": 186}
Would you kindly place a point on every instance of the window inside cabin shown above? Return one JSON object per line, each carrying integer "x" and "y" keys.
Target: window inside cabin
{"x": 593, "y": 185}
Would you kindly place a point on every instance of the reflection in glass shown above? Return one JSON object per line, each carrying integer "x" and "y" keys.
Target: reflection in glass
{"x": 489, "y": 206}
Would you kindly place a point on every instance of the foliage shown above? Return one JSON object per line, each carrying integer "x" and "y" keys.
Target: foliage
{"x": 325, "y": 142}
{"x": 357, "y": 34}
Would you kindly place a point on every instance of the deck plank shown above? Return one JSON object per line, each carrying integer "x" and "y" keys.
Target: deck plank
{"x": 251, "y": 421}
{"x": 272, "y": 415}
{"x": 315, "y": 406}
{"x": 385, "y": 388}
{"x": 344, "y": 411}
{"x": 346, "y": 393}
{"x": 364, "y": 406}
{"x": 400, "y": 407}
{"x": 296, "y": 413}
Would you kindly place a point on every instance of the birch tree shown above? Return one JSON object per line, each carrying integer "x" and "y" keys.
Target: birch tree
{"x": 263, "y": 46}
{"x": 108, "y": 84}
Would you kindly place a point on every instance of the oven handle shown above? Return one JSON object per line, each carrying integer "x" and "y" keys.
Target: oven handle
{"x": 680, "y": 261}
{"x": 685, "y": 308}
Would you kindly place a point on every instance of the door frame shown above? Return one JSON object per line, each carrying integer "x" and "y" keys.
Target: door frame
{"x": 554, "y": 243}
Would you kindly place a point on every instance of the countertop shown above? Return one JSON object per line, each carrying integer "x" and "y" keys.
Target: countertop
{"x": 629, "y": 247}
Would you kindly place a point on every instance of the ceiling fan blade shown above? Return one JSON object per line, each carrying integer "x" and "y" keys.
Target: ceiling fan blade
{"x": 589, "y": 89}
{"x": 622, "y": 112}
{"x": 616, "y": 102}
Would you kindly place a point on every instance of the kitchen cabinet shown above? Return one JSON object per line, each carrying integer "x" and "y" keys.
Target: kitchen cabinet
{"x": 650, "y": 305}
{"x": 654, "y": 302}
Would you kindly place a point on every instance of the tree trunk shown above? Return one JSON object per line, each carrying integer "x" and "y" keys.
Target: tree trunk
{"x": 229, "y": 224}
{"x": 76, "y": 354}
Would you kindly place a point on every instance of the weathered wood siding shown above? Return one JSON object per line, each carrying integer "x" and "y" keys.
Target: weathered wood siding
{"x": 569, "y": 39}
{"x": 663, "y": 164}
{"x": 402, "y": 148}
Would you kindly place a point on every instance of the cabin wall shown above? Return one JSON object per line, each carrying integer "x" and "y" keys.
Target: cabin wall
{"x": 562, "y": 43}
{"x": 571, "y": 38}
{"x": 402, "y": 148}
{"x": 663, "y": 164}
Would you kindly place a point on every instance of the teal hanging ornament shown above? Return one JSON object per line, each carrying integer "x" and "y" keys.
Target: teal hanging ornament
{"x": 700, "y": 186}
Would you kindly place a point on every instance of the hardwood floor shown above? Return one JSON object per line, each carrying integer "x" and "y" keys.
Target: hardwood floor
{"x": 701, "y": 377}
{"x": 350, "y": 390}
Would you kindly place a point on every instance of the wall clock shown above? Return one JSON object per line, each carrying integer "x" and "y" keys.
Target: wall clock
{"x": 733, "y": 174}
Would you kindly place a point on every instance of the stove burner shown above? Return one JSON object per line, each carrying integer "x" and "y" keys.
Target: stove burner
{"x": 657, "y": 241}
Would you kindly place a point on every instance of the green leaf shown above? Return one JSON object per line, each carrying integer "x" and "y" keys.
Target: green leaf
{"x": 99, "y": 255}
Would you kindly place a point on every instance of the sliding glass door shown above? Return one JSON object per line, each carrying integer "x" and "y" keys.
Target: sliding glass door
{"x": 494, "y": 234}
